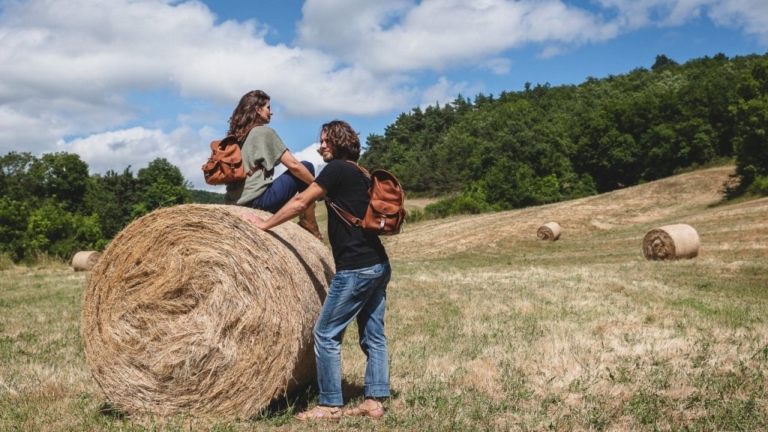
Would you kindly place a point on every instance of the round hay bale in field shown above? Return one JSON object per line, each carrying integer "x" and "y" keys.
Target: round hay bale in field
{"x": 550, "y": 231}
{"x": 85, "y": 260}
{"x": 194, "y": 310}
{"x": 671, "y": 242}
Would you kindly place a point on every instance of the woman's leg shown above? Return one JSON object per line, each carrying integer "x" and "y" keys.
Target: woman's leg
{"x": 282, "y": 189}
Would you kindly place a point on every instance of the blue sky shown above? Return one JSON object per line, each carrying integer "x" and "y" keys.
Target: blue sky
{"x": 122, "y": 82}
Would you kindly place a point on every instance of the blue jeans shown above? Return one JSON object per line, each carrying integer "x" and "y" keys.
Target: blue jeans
{"x": 282, "y": 189}
{"x": 361, "y": 294}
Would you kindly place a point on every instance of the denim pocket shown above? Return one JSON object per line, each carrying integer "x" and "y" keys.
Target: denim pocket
{"x": 367, "y": 279}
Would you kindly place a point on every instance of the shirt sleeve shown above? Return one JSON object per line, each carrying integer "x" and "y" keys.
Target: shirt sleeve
{"x": 262, "y": 146}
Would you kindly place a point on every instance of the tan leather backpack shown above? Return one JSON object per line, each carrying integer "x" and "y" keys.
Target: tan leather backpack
{"x": 385, "y": 213}
{"x": 226, "y": 163}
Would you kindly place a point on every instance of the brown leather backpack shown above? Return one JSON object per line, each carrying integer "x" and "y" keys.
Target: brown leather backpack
{"x": 385, "y": 213}
{"x": 226, "y": 163}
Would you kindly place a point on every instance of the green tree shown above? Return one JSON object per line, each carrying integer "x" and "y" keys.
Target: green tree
{"x": 160, "y": 184}
{"x": 111, "y": 197}
{"x": 65, "y": 177}
{"x": 751, "y": 139}
{"x": 16, "y": 181}
{"x": 13, "y": 226}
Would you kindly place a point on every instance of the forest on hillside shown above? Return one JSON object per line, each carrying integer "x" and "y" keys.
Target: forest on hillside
{"x": 539, "y": 145}
{"x": 546, "y": 144}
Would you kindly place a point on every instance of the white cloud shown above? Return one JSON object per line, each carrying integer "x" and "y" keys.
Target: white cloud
{"x": 438, "y": 34}
{"x": 445, "y": 91}
{"x": 73, "y": 68}
{"x": 499, "y": 65}
{"x": 68, "y": 67}
{"x": 136, "y": 147}
{"x": 750, "y": 15}
{"x": 308, "y": 154}
{"x": 404, "y": 36}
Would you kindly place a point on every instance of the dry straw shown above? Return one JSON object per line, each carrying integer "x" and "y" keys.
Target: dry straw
{"x": 192, "y": 309}
{"x": 671, "y": 242}
{"x": 550, "y": 231}
{"x": 85, "y": 260}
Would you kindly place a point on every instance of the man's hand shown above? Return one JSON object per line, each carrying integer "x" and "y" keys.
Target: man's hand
{"x": 250, "y": 217}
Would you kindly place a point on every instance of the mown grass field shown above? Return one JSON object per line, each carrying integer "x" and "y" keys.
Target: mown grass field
{"x": 492, "y": 329}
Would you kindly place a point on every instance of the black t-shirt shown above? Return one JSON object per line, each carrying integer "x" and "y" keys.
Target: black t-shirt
{"x": 352, "y": 247}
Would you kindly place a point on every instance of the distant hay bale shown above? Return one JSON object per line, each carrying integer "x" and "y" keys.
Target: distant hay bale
{"x": 85, "y": 260}
{"x": 550, "y": 231}
{"x": 194, "y": 310}
{"x": 671, "y": 242}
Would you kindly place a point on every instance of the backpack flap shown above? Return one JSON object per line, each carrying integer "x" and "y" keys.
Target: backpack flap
{"x": 385, "y": 213}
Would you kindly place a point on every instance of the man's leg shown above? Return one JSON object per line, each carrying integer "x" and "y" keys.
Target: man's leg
{"x": 349, "y": 292}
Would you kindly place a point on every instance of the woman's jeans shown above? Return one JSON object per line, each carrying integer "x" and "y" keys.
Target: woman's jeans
{"x": 282, "y": 189}
{"x": 361, "y": 294}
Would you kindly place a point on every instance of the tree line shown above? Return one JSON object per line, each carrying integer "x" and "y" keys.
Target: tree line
{"x": 545, "y": 144}
{"x": 51, "y": 204}
{"x": 539, "y": 145}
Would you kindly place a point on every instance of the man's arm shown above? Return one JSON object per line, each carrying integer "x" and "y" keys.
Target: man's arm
{"x": 296, "y": 206}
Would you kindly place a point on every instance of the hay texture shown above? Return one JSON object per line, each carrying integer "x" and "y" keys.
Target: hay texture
{"x": 671, "y": 242}
{"x": 193, "y": 310}
{"x": 85, "y": 260}
{"x": 550, "y": 231}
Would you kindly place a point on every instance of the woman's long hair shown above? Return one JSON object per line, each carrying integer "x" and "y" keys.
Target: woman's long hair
{"x": 345, "y": 143}
{"x": 245, "y": 117}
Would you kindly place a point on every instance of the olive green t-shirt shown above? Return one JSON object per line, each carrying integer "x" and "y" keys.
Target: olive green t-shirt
{"x": 262, "y": 146}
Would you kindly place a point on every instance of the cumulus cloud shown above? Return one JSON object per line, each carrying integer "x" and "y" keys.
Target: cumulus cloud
{"x": 444, "y": 92}
{"x": 308, "y": 154}
{"x": 749, "y": 16}
{"x": 67, "y": 68}
{"x": 136, "y": 147}
{"x": 402, "y": 36}
{"x": 70, "y": 71}
{"x": 438, "y": 34}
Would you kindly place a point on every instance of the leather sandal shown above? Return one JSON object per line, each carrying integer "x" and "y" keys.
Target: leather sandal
{"x": 365, "y": 409}
{"x": 312, "y": 227}
{"x": 320, "y": 413}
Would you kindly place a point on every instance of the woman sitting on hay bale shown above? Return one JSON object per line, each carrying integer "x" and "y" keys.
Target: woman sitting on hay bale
{"x": 263, "y": 148}
{"x": 358, "y": 289}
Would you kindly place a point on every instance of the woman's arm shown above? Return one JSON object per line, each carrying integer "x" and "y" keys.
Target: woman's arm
{"x": 296, "y": 168}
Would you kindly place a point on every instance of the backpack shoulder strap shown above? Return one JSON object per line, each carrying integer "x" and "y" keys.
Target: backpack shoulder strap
{"x": 256, "y": 165}
{"x": 363, "y": 170}
{"x": 348, "y": 217}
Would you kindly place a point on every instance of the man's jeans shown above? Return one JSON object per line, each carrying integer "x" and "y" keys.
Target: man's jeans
{"x": 360, "y": 293}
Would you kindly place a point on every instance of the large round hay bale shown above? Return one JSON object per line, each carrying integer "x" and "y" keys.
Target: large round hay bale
{"x": 671, "y": 242}
{"x": 85, "y": 260}
{"x": 550, "y": 231}
{"x": 194, "y": 310}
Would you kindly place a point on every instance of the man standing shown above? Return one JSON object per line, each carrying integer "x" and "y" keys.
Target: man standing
{"x": 358, "y": 289}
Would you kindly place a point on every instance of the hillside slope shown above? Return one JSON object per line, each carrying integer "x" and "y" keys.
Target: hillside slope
{"x": 689, "y": 198}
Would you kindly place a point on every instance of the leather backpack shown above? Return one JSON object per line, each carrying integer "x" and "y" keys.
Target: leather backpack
{"x": 226, "y": 163}
{"x": 385, "y": 213}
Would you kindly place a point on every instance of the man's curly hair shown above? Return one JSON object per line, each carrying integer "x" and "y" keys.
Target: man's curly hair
{"x": 343, "y": 140}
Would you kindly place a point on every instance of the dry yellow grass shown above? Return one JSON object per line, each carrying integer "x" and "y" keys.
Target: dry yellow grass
{"x": 675, "y": 198}
{"x": 490, "y": 328}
